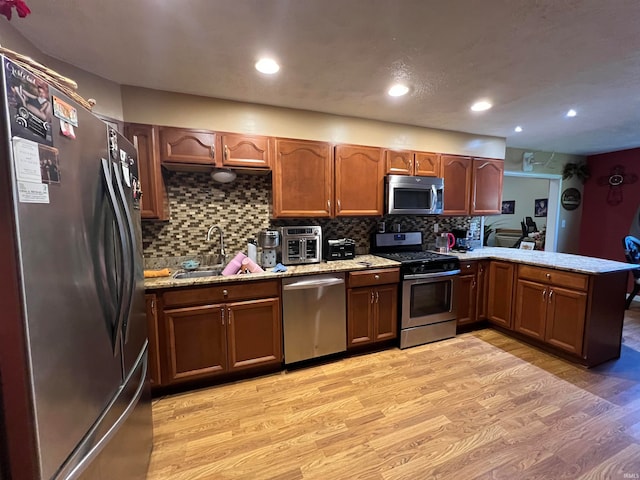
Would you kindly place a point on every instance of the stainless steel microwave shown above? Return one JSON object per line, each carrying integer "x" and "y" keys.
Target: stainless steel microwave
{"x": 407, "y": 195}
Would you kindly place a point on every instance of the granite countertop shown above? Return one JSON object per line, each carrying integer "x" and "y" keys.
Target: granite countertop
{"x": 562, "y": 261}
{"x": 360, "y": 262}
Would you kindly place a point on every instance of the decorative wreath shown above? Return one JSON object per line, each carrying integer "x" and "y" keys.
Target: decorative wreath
{"x": 6, "y": 7}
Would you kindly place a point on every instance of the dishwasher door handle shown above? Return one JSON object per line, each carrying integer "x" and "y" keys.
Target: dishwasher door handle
{"x": 308, "y": 284}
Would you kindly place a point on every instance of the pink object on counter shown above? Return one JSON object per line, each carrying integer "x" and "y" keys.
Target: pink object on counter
{"x": 249, "y": 266}
{"x": 234, "y": 265}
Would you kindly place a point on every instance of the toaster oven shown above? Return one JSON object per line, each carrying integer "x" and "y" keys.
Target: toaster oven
{"x": 301, "y": 245}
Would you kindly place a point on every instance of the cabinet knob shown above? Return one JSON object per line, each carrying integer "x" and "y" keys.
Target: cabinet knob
{"x": 376, "y": 276}
{"x": 548, "y": 275}
{"x": 468, "y": 266}
{"x": 225, "y": 292}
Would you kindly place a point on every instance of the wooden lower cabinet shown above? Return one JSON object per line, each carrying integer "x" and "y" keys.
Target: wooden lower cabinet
{"x": 208, "y": 338}
{"x": 500, "y": 293}
{"x": 549, "y": 313}
{"x": 466, "y": 293}
{"x": 372, "y": 306}
{"x": 151, "y": 304}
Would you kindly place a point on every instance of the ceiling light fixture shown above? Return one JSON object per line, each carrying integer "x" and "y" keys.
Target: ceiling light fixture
{"x": 571, "y": 113}
{"x": 267, "y": 65}
{"x": 481, "y": 106}
{"x": 518, "y": 129}
{"x": 398, "y": 90}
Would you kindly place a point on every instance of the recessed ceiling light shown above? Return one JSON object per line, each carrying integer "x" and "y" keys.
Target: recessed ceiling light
{"x": 267, "y": 65}
{"x": 518, "y": 129}
{"x": 481, "y": 106}
{"x": 398, "y": 90}
{"x": 572, "y": 113}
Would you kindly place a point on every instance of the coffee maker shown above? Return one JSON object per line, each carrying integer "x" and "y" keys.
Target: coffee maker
{"x": 269, "y": 241}
{"x": 462, "y": 240}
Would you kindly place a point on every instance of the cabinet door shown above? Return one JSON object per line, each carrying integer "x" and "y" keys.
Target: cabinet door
{"x": 456, "y": 172}
{"x": 186, "y": 146}
{"x": 196, "y": 342}
{"x": 302, "y": 179}
{"x": 386, "y": 312}
{"x": 466, "y": 299}
{"x": 151, "y": 303}
{"x": 530, "y": 308}
{"x": 398, "y": 162}
{"x": 360, "y": 316}
{"x": 154, "y": 203}
{"x": 486, "y": 197}
{"x": 427, "y": 164}
{"x": 500, "y": 293}
{"x": 245, "y": 151}
{"x": 483, "y": 289}
{"x": 359, "y": 180}
{"x": 254, "y": 334}
{"x": 566, "y": 319}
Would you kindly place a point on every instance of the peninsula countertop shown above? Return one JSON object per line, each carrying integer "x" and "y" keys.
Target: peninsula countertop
{"x": 360, "y": 262}
{"x": 561, "y": 261}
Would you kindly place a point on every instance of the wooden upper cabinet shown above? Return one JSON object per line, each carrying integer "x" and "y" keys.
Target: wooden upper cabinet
{"x": 456, "y": 172}
{"x": 154, "y": 203}
{"x": 486, "y": 197}
{"x": 406, "y": 162}
{"x": 302, "y": 179}
{"x": 187, "y": 146}
{"x": 427, "y": 164}
{"x": 359, "y": 180}
{"x": 398, "y": 162}
{"x": 246, "y": 151}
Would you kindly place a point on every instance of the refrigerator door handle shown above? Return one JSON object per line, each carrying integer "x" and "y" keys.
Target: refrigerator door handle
{"x": 129, "y": 258}
{"x": 111, "y": 195}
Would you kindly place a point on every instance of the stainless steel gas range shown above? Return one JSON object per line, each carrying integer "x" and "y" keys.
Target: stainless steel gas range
{"x": 427, "y": 303}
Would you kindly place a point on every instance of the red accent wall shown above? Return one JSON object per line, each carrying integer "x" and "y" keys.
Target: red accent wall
{"x": 603, "y": 226}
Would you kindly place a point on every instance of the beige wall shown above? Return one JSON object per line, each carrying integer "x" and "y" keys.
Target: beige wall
{"x": 106, "y": 93}
{"x": 569, "y": 220}
{"x": 180, "y": 110}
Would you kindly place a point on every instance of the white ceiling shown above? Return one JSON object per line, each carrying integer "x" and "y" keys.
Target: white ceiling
{"x": 534, "y": 59}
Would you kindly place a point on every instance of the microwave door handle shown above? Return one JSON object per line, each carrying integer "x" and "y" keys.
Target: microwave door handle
{"x": 434, "y": 197}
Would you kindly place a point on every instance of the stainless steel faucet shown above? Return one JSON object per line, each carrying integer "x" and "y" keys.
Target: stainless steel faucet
{"x": 223, "y": 255}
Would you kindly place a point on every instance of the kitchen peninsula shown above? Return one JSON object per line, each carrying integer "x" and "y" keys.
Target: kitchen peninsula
{"x": 570, "y": 305}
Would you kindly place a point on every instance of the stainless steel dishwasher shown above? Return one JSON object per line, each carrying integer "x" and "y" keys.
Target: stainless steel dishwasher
{"x": 314, "y": 316}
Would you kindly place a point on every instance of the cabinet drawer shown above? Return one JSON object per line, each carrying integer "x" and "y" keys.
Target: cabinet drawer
{"x": 577, "y": 281}
{"x": 221, "y": 293}
{"x": 468, "y": 267}
{"x": 373, "y": 277}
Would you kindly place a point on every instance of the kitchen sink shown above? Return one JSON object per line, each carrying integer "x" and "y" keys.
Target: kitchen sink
{"x": 197, "y": 273}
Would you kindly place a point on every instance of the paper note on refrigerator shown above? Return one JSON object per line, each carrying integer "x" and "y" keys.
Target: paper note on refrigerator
{"x": 26, "y": 159}
{"x": 33, "y": 192}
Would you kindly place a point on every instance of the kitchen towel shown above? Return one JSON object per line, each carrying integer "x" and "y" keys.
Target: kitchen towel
{"x": 165, "y": 272}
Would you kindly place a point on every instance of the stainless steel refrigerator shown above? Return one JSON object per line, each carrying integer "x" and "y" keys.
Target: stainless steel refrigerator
{"x": 73, "y": 341}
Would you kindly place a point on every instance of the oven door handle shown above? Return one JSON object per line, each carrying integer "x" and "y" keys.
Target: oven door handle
{"x": 420, "y": 276}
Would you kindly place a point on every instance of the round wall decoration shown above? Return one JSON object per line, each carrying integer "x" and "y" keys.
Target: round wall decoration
{"x": 571, "y": 199}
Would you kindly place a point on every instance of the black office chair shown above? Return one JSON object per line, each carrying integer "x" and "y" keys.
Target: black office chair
{"x": 632, "y": 254}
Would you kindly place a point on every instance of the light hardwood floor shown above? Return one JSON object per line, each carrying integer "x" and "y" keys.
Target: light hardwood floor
{"x": 481, "y": 405}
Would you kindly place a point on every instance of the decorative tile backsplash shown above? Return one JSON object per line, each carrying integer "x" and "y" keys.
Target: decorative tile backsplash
{"x": 243, "y": 208}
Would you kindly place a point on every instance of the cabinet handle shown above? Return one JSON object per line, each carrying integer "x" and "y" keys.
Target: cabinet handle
{"x": 410, "y": 163}
{"x": 222, "y": 316}
{"x": 377, "y": 296}
{"x": 371, "y": 296}
{"x": 225, "y": 293}
{"x": 213, "y": 152}
{"x": 417, "y": 165}
{"x": 226, "y": 152}
{"x": 550, "y": 294}
{"x": 229, "y": 316}
{"x": 329, "y": 205}
{"x": 339, "y": 205}
{"x": 473, "y": 285}
{"x": 153, "y": 306}
{"x": 544, "y": 295}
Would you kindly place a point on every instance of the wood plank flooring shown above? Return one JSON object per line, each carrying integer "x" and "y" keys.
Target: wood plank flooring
{"x": 479, "y": 406}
